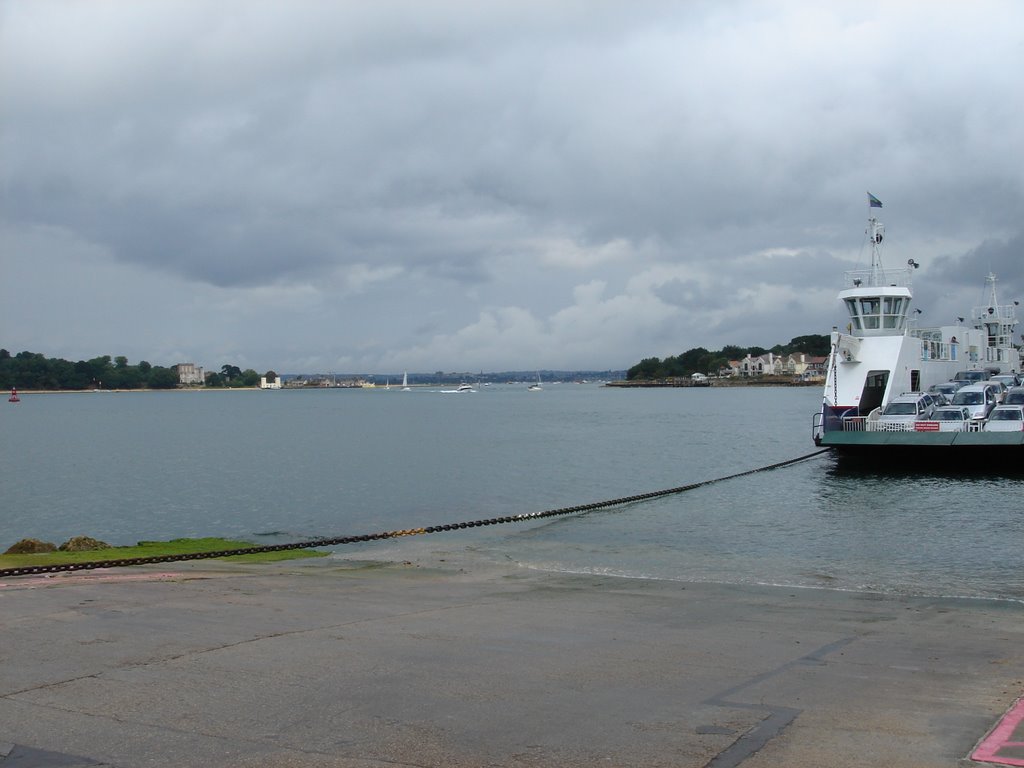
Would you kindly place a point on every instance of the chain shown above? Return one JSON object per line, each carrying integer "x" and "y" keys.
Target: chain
{"x": 29, "y": 570}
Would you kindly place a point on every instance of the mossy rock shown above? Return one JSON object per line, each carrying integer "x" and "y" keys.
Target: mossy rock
{"x": 31, "y": 547}
{"x": 83, "y": 544}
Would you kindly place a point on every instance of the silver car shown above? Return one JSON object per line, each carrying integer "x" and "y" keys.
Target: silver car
{"x": 979, "y": 399}
{"x": 1009, "y": 379}
{"x": 1014, "y": 396}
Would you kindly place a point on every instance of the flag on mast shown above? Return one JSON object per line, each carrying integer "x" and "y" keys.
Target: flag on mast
{"x": 873, "y": 202}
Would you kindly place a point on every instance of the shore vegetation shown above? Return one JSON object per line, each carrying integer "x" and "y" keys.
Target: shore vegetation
{"x": 34, "y": 371}
{"x": 710, "y": 362}
{"x": 156, "y": 549}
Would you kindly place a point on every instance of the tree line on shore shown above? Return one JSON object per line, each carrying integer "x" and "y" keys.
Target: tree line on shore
{"x": 701, "y": 360}
{"x": 32, "y": 370}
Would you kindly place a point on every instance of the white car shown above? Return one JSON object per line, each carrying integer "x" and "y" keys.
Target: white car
{"x": 952, "y": 418}
{"x": 1005, "y": 418}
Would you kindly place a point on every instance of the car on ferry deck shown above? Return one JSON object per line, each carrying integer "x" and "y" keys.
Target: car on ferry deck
{"x": 972, "y": 377}
{"x": 1009, "y": 379}
{"x": 978, "y": 399}
{"x": 908, "y": 408}
{"x": 998, "y": 387}
{"x": 952, "y": 418}
{"x": 944, "y": 391}
{"x": 1005, "y": 418}
{"x": 1014, "y": 396}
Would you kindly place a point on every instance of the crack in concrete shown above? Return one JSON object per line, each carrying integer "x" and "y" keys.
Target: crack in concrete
{"x": 779, "y": 717}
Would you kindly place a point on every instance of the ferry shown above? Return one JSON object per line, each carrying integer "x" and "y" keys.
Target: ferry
{"x": 882, "y": 355}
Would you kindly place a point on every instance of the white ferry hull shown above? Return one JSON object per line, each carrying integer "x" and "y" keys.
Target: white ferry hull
{"x": 883, "y": 354}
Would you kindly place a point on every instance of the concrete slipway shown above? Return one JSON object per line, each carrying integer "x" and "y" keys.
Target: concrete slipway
{"x": 332, "y": 663}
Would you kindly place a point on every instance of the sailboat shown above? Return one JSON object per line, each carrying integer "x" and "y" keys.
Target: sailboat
{"x": 535, "y": 387}
{"x": 405, "y": 382}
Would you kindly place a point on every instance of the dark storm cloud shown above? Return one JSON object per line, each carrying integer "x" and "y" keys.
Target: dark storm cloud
{"x": 1002, "y": 258}
{"x": 1005, "y": 258}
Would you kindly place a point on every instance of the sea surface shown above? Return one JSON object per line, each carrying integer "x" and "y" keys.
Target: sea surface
{"x": 273, "y": 467}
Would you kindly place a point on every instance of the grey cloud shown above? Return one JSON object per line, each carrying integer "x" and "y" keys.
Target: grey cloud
{"x": 253, "y": 145}
{"x": 1002, "y": 258}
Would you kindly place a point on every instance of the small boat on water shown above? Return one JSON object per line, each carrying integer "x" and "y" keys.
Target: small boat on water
{"x": 405, "y": 382}
{"x": 535, "y": 387}
{"x": 464, "y": 388}
{"x": 883, "y": 359}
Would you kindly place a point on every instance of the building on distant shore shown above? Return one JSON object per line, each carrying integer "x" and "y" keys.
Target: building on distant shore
{"x": 807, "y": 367}
{"x": 190, "y": 373}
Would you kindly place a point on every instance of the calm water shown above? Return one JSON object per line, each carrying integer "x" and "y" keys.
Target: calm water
{"x": 284, "y": 466}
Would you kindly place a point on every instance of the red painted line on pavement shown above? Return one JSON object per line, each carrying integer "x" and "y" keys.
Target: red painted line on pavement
{"x": 1000, "y": 738}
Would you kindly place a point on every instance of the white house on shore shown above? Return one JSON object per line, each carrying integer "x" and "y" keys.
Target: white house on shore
{"x": 270, "y": 381}
{"x": 190, "y": 373}
{"x": 769, "y": 364}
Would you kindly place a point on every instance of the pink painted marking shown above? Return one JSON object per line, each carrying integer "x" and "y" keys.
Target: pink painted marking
{"x": 989, "y": 749}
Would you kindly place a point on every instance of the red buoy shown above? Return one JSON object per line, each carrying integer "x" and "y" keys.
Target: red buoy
{"x": 14, "y": 396}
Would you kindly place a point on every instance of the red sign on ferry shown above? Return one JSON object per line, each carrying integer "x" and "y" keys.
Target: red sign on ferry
{"x": 926, "y": 426}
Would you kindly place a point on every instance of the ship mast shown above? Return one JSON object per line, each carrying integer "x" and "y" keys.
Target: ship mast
{"x": 877, "y": 299}
{"x": 997, "y": 320}
{"x": 876, "y": 233}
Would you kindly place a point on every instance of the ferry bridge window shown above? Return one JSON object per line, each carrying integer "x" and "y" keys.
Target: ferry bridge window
{"x": 851, "y": 307}
{"x": 893, "y": 310}
{"x": 870, "y": 309}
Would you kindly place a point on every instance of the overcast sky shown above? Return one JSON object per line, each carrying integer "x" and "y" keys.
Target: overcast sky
{"x": 462, "y": 186}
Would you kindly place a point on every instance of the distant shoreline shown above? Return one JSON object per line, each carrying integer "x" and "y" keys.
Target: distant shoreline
{"x": 679, "y": 382}
{"x": 124, "y": 391}
{"x": 685, "y": 382}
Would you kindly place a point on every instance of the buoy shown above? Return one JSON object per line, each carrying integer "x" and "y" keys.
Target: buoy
{"x": 14, "y": 396}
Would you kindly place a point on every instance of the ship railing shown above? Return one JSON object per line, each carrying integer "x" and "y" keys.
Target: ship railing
{"x": 856, "y": 278}
{"x": 1005, "y": 313}
{"x": 997, "y": 354}
{"x": 922, "y": 425}
{"x": 891, "y": 426}
{"x": 855, "y": 423}
{"x": 937, "y": 350}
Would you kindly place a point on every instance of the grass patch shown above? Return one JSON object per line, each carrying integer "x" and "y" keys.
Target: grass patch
{"x": 157, "y": 549}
